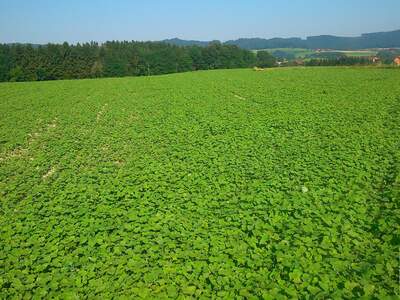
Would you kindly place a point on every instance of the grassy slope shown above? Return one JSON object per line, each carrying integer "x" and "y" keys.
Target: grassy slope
{"x": 207, "y": 183}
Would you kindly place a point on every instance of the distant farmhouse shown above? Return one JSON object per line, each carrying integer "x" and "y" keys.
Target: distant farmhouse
{"x": 375, "y": 59}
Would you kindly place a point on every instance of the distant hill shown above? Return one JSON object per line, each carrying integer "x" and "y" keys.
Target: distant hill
{"x": 369, "y": 40}
{"x": 389, "y": 39}
{"x": 179, "y": 42}
{"x": 25, "y": 44}
{"x": 258, "y": 43}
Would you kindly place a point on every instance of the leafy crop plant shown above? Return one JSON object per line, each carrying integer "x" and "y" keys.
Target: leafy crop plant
{"x": 221, "y": 184}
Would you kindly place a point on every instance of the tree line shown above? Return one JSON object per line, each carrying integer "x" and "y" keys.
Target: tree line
{"x": 388, "y": 56}
{"x": 340, "y": 61}
{"x": 25, "y": 62}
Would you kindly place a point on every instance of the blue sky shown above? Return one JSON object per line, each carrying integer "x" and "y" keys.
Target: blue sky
{"x": 41, "y": 21}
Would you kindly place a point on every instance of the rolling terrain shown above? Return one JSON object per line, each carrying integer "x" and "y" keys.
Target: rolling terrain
{"x": 388, "y": 39}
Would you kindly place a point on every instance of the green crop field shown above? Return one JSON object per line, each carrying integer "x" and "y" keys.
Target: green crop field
{"x": 217, "y": 184}
{"x": 362, "y": 53}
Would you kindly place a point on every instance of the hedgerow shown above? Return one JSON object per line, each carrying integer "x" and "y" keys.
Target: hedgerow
{"x": 220, "y": 184}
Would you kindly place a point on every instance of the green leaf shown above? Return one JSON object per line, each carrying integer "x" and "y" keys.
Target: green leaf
{"x": 189, "y": 290}
{"x": 295, "y": 276}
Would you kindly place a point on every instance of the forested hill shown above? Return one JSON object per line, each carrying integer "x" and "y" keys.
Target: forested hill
{"x": 389, "y": 39}
{"x": 179, "y": 42}
{"x": 24, "y": 62}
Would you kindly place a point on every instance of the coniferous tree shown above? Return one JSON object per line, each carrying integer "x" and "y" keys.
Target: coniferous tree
{"x": 20, "y": 62}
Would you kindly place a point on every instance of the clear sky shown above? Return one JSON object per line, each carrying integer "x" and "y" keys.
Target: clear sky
{"x": 42, "y": 21}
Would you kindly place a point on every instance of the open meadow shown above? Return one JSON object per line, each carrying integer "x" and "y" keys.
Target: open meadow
{"x": 229, "y": 184}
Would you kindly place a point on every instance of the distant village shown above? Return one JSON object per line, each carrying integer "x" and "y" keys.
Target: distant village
{"x": 384, "y": 56}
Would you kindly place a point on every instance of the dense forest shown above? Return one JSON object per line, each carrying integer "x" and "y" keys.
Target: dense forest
{"x": 24, "y": 62}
